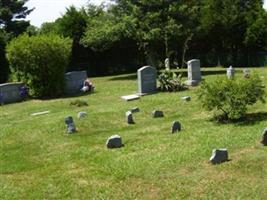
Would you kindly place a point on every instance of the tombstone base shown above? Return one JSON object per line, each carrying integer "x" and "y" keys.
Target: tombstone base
{"x": 192, "y": 82}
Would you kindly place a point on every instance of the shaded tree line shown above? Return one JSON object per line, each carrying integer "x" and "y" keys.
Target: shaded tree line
{"x": 128, "y": 34}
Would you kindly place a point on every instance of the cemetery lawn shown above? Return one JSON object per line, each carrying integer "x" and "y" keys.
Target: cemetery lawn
{"x": 38, "y": 160}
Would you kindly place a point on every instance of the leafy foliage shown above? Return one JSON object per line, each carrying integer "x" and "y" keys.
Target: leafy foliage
{"x": 11, "y": 13}
{"x": 171, "y": 81}
{"x": 78, "y": 103}
{"x": 40, "y": 62}
{"x": 229, "y": 98}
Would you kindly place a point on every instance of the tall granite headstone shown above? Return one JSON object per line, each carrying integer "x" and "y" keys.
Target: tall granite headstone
{"x": 74, "y": 81}
{"x": 10, "y": 92}
{"x": 147, "y": 80}
{"x": 194, "y": 74}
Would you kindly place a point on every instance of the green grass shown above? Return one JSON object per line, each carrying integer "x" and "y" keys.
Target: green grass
{"x": 38, "y": 160}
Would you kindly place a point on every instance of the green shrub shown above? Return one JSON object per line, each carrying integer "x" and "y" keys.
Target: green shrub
{"x": 171, "y": 81}
{"x": 229, "y": 98}
{"x": 78, "y": 103}
{"x": 40, "y": 62}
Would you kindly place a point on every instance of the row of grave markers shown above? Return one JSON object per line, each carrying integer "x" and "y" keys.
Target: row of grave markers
{"x": 115, "y": 141}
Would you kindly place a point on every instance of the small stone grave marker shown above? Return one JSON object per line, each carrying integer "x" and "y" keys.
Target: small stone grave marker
{"x": 135, "y": 110}
{"x": 176, "y": 126}
{"x": 264, "y": 137}
{"x": 70, "y": 125}
{"x": 82, "y": 115}
{"x": 186, "y": 98}
{"x": 246, "y": 73}
{"x": 129, "y": 117}
{"x": 157, "y": 114}
{"x": 115, "y": 141}
{"x": 230, "y": 72}
{"x": 219, "y": 156}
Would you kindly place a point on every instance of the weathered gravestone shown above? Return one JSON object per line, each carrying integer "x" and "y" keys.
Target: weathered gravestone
{"x": 186, "y": 98}
{"x": 129, "y": 117}
{"x": 230, "y": 72}
{"x": 114, "y": 141}
{"x": 264, "y": 137}
{"x": 70, "y": 125}
{"x": 176, "y": 126}
{"x": 219, "y": 156}
{"x": 246, "y": 73}
{"x": 82, "y": 115}
{"x": 147, "y": 80}
{"x": 194, "y": 73}
{"x": 10, "y": 92}
{"x": 167, "y": 64}
{"x": 157, "y": 114}
{"x": 135, "y": 110}
{"x": 74, "y": 81}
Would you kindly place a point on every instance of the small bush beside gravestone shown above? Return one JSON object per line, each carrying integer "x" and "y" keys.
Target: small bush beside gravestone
{"x": 171, "y": 82}
{"x": 229, "y": 98}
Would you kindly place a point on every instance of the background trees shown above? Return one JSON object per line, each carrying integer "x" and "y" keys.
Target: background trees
{"x": 11, "y": 24}
{"x": 128, "y": 34}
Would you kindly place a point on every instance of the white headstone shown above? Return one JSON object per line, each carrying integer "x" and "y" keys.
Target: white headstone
{"x": 194, "y": 73}
{"x": 147, "y": 80}
{"x": 230, "y": 72}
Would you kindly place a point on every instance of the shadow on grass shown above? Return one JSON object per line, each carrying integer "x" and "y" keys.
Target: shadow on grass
{"x": 183, "y": 72}
{"x": 124, "y": 77}
{"x": 248, "y": 119}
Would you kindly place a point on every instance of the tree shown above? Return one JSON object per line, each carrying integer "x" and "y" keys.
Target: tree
{"x": 11, "y": 13}
{"x": 40, "y": 61}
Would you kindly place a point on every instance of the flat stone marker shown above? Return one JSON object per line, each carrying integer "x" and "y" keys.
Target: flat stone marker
{"x": 129, "y": 117}
{"x": 70, "y": 125}
{"x": 40, "y": 113}
{"x": 230, "y": 72}
{"x": 135, "y": 110}
{"x": 157, "y": 114}
{"x": 130, "y": 97}
{"x": 176, "y": 126}
{"x": 264, "y": 137}
{"x": 147, "y": 80}
{"x": 82, "y": 115}
{"x": 219, "y": 156}
{"x": 186, "y": 98}
{"x": 114, "y": 141}
{"x": 193, "y": 72}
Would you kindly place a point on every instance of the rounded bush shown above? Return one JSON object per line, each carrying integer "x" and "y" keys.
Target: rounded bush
{"x": 229, "y": 98}
{"x": 40, "y": 62}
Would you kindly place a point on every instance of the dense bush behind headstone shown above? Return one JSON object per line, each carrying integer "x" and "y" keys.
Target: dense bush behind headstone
{"x": 40, "y": 62}
{"x": 229, "y": 98}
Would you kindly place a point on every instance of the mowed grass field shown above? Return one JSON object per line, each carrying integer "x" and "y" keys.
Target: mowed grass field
{"x": 38, "y": 160}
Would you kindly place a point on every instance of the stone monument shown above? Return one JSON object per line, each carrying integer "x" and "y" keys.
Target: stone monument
{"x": 147, "y": 80}
{"x": 194, "y": 74}
{"x": 10, "y": 92}
{"x": 74, "y": 81}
